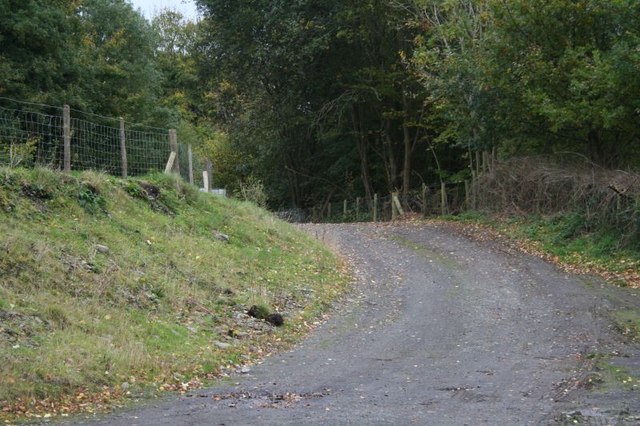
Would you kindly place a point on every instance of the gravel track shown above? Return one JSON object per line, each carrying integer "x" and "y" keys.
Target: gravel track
{"x": 439, "y": 330}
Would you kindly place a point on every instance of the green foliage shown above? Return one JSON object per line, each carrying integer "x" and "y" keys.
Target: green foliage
{"x": 37, "y": 60}
{"x": 91, "y": 200}
{"x": 14, "y": 154}
{"x": 573, "y": 238}
{"x": 118, "y": 56}
{"x": 535, "y": 77}
{"x": 252, "y": 190}
{"x": 96, "y": 55}
{"x": 319, "y": 97}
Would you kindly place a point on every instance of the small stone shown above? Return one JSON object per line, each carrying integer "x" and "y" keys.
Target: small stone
{"x": 245, "y": 370}
{"x": 124, "y": 386}
{"x": 221, "y": 237}
{"x": 102, "y": 249}
{"x": 241, "y": 335}
{"x": 222, "y": 345}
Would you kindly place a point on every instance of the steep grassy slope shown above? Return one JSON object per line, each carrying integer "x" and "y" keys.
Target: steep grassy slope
{"x": 110, "y": 288}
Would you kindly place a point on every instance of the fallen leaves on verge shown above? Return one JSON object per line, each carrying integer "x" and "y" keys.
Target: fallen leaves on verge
{"x": 478, "y": 232}
{"x": 80, "y": 401}
{"x": 91, "y": 402}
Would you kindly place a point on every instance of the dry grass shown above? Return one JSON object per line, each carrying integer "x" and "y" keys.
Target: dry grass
{"x": 540, "y": 186}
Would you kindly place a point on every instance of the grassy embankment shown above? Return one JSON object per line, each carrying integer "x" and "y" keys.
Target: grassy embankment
{"x": 112, "y": 290}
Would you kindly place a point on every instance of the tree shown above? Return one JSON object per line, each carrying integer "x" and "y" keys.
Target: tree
{"x": 533, "y": 76}
{"x": 118, "y": 55}
{"x": 572, "y": 63}
{"x": 96, "y": 55}
{"x": 270, "y": 55}
{"x": 322, "y": 92}
{"x": 37, "y": 60}
{"x": 175, "y": 57}
{"x": 385, "y": 103}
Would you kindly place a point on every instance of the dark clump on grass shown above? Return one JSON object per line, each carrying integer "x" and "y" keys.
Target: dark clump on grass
{"x": 262, "y": 312}
{"x": 35, "y": 192}
{"x": 151, "y": 194}
{"x": 275, "y": 319}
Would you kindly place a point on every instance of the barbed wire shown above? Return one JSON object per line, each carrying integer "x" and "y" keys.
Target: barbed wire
{"x": 32, "y": 134}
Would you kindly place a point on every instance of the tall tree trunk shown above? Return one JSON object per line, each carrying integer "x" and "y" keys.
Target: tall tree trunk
{"x": 363, "y": 150}
{"x": 406, "y": 167}
{"x": 391, "y": 166}
{"x": 596, "y": 149}
{"x": 294, "y": 184}
{"x": 364, "y": 166}
{"x": 408, "y": 149}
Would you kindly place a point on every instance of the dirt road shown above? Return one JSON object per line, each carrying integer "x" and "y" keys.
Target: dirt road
{"x": 440, "y": 330}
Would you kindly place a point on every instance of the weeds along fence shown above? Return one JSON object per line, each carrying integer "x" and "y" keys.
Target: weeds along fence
{"x": 597, "y": 198}
{"x": 66, "y": 139}
{"x": 443, "y": 199}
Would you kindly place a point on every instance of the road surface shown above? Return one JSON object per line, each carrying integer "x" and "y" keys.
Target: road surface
{"x": 439, "y": 330}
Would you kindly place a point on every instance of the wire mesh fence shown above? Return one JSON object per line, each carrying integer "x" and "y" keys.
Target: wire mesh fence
{"x": 28, "y": 136}
{"x": 44, "y": 135}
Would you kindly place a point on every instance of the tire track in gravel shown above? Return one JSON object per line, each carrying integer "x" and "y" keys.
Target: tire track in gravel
{"x": 438, "y": 330}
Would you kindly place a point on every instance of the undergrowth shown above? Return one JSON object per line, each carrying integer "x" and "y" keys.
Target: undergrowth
{"x": 575, "y": 199}
{"x": 113, "y": 289}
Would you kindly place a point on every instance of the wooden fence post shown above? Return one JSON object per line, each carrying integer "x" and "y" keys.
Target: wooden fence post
{"x": 170, "y": 162}
{"x": 424, "y": 200}
{"x": 474, "y": 190}
{"x": 123, "y": 149}
{"x": 344, "y": 209}
{"x": 393, "y": 206}
{"x": 358, "y": 209}
{"x": 66, "y": 135}
{"x": 375, "y": 207}
{"x": 190, "y": 164}
{"x": 396, "y": 206}
{"x": 209, "y": 165}
{"x": 329, "y": 211}
{"x": 467, "y": 195}
{"x": 443, "y": 199}
{"x": 205, "y": 180}
{"x": 173, "y": 145}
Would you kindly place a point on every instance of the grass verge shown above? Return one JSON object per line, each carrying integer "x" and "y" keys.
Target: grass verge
{"x": 565, "y": 240}
{"x": 114, "y": 289}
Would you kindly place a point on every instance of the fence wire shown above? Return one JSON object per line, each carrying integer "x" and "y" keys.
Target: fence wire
{"x": 30, "y": 137}
{"x": 33, "y": 135}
